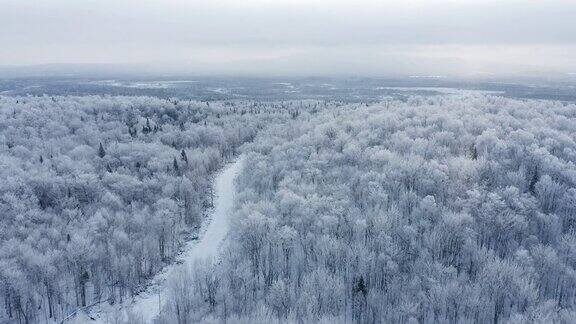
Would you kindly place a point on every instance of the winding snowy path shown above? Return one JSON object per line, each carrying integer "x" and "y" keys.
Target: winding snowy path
{"x": 148, "y": 304}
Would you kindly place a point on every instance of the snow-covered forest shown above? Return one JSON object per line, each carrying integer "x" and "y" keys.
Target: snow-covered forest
{"x": 288, "y": 162}
{"x": 448, "y": 209}
{"x": 99, "y": 193}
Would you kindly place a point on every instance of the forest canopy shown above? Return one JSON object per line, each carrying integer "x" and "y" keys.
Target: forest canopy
{"x": 445, "y": 209}
{"x": 99, "y": 193}
{"x": 450, "y": 208}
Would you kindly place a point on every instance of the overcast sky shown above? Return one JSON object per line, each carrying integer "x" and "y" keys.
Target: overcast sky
{"x": 303, "y": 37}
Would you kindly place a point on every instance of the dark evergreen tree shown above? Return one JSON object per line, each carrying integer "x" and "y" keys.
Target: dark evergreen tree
{"x": 533, "y": 181}
{"x": 183, "y": 156}
{"x": 175, "y": 165}
{"x": 101, "y": 151}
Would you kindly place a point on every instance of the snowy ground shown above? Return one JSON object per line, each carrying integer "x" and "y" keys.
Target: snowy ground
{"x": 147, "y": 305}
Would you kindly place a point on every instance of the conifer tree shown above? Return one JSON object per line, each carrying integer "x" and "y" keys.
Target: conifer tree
{"x": 101, "y": 151}
{"x": 184, "y": 157}
{"x": 175, "y": 165}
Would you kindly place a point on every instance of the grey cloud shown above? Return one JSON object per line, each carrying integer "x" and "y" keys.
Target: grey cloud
{"x": 112, "y": 31}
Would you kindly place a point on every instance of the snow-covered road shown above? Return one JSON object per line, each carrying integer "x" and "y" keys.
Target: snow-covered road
{"x": 147, "y": 304}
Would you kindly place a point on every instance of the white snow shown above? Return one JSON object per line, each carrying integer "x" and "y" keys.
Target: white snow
{"x": 146, "y": 305}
